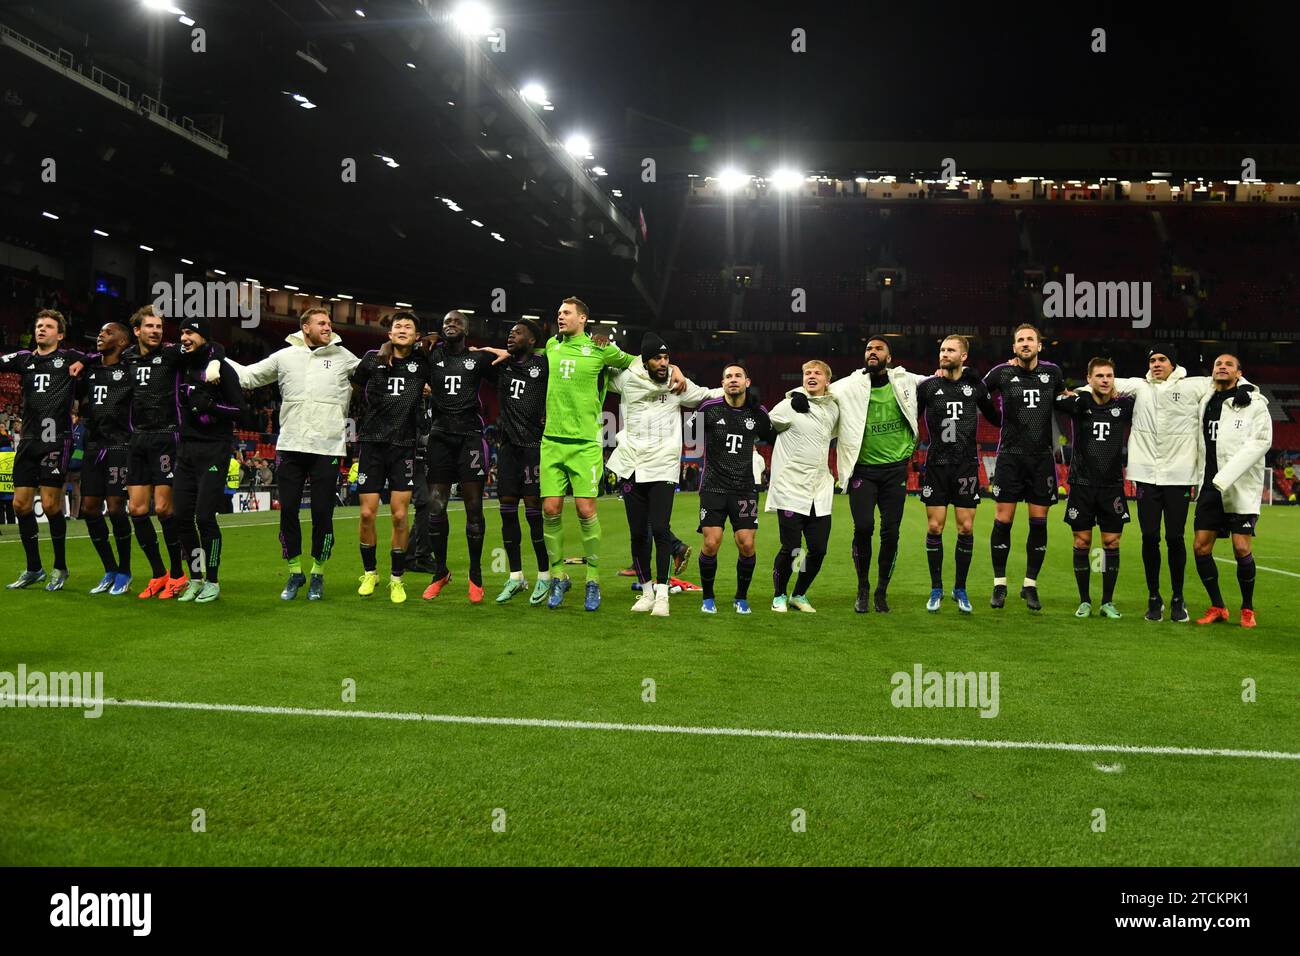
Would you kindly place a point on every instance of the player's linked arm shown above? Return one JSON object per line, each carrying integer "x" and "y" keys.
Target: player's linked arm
{"x": 259, "y": 373}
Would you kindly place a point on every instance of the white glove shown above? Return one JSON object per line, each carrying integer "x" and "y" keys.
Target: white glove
{"x": 213, "y": 372}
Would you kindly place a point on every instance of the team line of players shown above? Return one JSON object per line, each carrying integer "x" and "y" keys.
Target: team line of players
{"x": 160, "y": 422}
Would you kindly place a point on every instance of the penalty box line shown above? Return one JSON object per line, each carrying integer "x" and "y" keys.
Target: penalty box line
{"x": 552, "y": 724}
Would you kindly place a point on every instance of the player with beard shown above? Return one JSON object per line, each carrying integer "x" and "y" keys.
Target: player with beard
{"x": 151, "y": 458}
{"x": 457, "y": 451}
{"x": 312, "y": 373}
{"x": 648, "y": 461}
{"x": 951, "y": 403}
{"x": 877, "y": 435}
{"x": 105, "y": 406}
{"x": 521, "y": 400}
{"x": 45, "y": 448}
{"x": 1236, "y": 434}
{"x": 731, "y": 426}
{"x": 1097, "y": 480}
{"x": 1025, "y": 469}
{"x": 392, "y": 390}
{"x": 802, "y": 489}
{"x": 212, "y": 403}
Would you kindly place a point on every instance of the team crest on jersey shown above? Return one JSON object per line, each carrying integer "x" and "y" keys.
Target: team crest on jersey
{"x": 1073, "y": 513}
{"x": 749, "y": 424}
{"x": 967, "y": 391}
{"x": 586, "y": 350}
{"x": 117, "y": 375}
{"x": 57, "y": 363}
{"x": 534, "y": 372}
{"x": 1044, "y": 377}
{"x": 469, "y": 364}
{"x": 1114, "y": 413}
{"x": 412, "y": 367}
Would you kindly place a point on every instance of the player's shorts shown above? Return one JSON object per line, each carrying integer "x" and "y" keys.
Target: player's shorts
{"x": 42, "y": 464}
{"x": 1210, "y": 515}
{"x": 456, "y": 458}
{"x": 717, "y": 508}
{"x": 1102, "y": 505}
{"x": 103, "y": 471}
{"x": 519, "y": 470}
{"x": 956, "y": 485}
{"x": 151, "y": 458}
{"x": 380, "y": 463}
{"x": 1029, "y": 478}
{"x": 574, "y": 467}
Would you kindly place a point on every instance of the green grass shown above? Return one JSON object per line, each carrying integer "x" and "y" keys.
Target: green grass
{"x": 283, "y": 789}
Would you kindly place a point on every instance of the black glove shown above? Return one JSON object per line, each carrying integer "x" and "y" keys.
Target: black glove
{"x": 799, "y": 402}
{"x": 1242, "y": 398}
{"x": 200, "y": 401}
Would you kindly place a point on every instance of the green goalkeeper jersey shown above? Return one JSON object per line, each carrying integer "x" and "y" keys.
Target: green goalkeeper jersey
{"x": 575, "y": 388}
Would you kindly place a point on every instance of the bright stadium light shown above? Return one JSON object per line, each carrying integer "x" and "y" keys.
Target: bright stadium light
{"x": 162, "y": 6}
{"x": 188, "y": 262}
{"x": 578, "y": 146}
{"x": 144, "y": 248}
{"x": 100, "y": 232}
{"x": 785, "y": 180}
{"x": 535, "y": 93}
{"x": 472, "y": 18}
{"x": 50, "y": 215}
{"x": 730, "y": 180}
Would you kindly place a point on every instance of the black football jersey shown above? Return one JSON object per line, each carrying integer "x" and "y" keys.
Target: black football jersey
{"x": 1100, "y": 434}
{"x": 155, "y": 392}
{"x": 105, "y": 394}
{"x": 951, "y": 410}
{"x": 392, "y": 397}
{"x": 729, "y": 438}
{"x": 521, "y": 395}
{"x": 47, "y": 387}
{"x": 455, "y": 378}
{"x": 1028, "y": 397}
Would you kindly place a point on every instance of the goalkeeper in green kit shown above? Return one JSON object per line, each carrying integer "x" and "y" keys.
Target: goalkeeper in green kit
{"x": 571, "y": 456}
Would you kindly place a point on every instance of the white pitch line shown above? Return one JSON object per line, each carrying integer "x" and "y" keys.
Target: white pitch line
{"x": 677, "y": 729}
{"x": 1290, "y": 574}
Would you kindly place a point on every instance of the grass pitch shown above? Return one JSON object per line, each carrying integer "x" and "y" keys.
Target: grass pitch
{"x": 291, "y": 789}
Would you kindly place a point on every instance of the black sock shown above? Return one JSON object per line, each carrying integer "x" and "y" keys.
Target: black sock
{"x": 708, "y": 571}
{"x": 474, "y": 540}
{"x": 97, "y": 528}
{"x": 398, "y": 559}
{"x": 862, "y": 557}
{"x": 1109, "y": 573}
{"x": 1151, "y": 562}
{"x": 782, "y": 569}
{"x": 1035, "y": 547}
{"x": 812, "y": 564}
{"x": 172, "y": 541}
{"x": 122, "y": 535}
{"x": 1246, "y": 578}
{"x": 934, "y": 555}
{"x": 368, "y": 561}
{"x": 1177, "y": 549}
{"x": 59, "y": 538}
{"x": 1082, "y": 570}
{"x": 744, "y": 574}
{"x": 438, "y": 528}
{"x": 965, "y": 551}
{"x": 30, "y": 532}
{"x": 148, "y": 538}
{"x": 1000, "y": 547}
{"x": 1209, "y": 572}
{"x": 538, "y": 538}
{"x": 512, "y": 536}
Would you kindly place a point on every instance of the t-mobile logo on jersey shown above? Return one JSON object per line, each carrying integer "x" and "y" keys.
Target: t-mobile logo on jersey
{"x": 396, "y": 386}
{"x": 41, "y": 381}
{"x": 452, "y": 384}
{"x": 954, "y": 409}
{"x": 1100, "y": 431}
{"x": 1214, "y": 431}
{"x": 99, "y": 392}
{"x": 733, "y": 442}
{"x": 567, "y": 366}
{"x": 1031, "y": 397}
{"x": 142, "y": 374}
{"x": 517, "y": 387}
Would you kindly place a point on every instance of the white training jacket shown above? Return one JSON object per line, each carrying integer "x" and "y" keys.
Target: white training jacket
{"x": 801, "y": 476}
{"x": 853, "y": 393}
{"x": 650, "y": 443}
{"x": 315, "y": 392}
{"x": 1245, "y": 435}
{"x": 1166, "y": 427}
